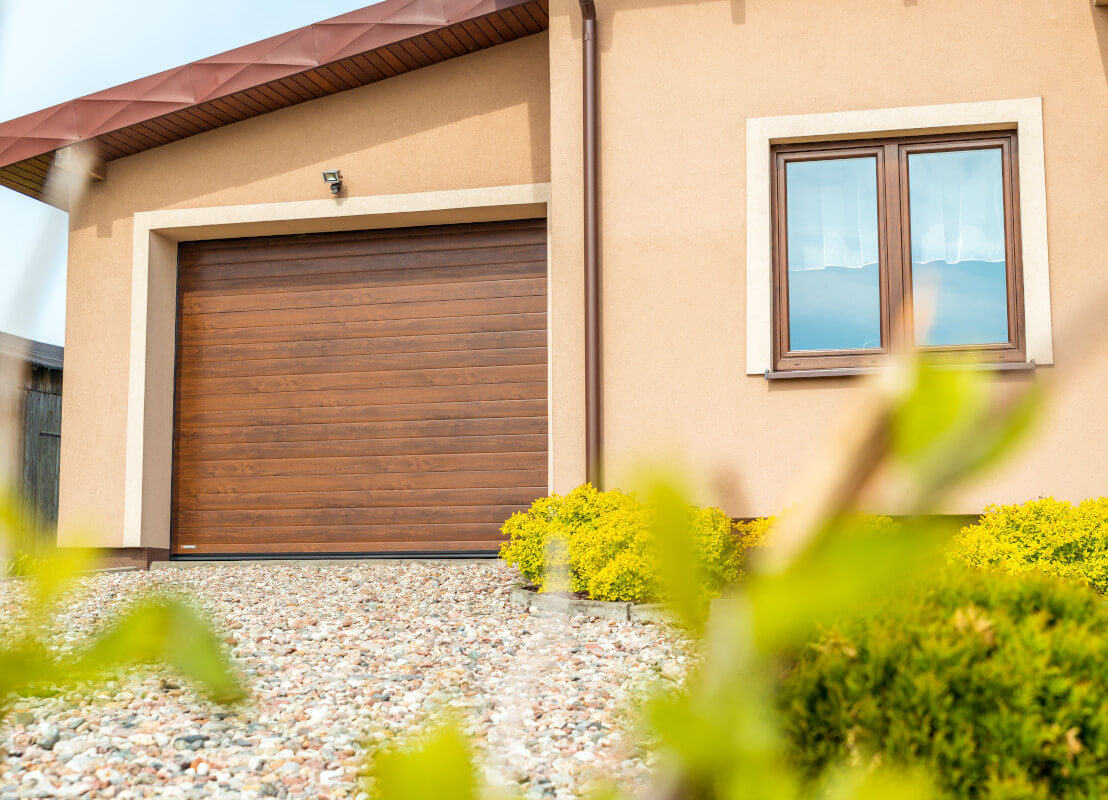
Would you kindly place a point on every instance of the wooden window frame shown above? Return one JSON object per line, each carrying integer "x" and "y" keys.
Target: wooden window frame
{"x": 894, "y": 249}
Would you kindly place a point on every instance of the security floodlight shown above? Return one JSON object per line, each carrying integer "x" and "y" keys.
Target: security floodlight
{"x": 333, "y": 178}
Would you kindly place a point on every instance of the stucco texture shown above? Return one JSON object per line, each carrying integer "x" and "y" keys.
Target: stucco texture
{"x": 476, "y": 121}
{"x": 678, "y": 81}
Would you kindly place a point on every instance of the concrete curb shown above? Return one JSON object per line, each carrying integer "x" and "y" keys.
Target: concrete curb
{"x": 572, "y": 606}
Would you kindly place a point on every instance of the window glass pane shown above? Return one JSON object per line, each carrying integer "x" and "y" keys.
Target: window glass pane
{"x": 834, "y": 295}
{"x": 958, "y": 257}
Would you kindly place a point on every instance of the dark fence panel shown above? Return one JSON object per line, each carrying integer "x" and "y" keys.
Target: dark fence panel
{"x": 42, "y": 419}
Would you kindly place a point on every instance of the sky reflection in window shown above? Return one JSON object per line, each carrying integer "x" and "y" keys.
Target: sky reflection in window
{"x": 834, "y": 295}
{"x": 959, "y": 274}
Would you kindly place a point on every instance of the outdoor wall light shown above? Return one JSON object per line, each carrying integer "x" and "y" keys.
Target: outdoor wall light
{"x": 333, "y": 178}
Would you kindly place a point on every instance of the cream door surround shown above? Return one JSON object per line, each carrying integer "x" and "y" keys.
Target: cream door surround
{"x": 1025, "y": 116}
{"x": 149, "y": 450}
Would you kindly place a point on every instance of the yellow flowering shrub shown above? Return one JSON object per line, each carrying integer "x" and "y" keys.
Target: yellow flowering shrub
{"x": 603, "y": 541}
{"x": 1051, "y": 536}
{"x": 755, "y": 532}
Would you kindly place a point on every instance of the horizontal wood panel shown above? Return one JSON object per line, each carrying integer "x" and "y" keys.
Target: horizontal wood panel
{"x": 487, "y": 409}
{"x": 262, "y": 255}
{"x": 388, "y": 396}
{"x": 317, "y": 547}
{"x": 493, "y": 323}
{"x": 508, "y": 356}
{"x": 207, "y": 451}
{"x": 356, "y": 379}
{"x": 427, "y": 533}
{"x": 342, "y": 431}
{"x": 322, "y": 298}
{"x": 286, "y": 266}
{"x": 374, "y": 515}
{"x": 379, "y": 391}
{"x": 471, "y": 479}
{"x": 365, "y": 244}
{"x": 330, "y": 281}
{"x": 480, "y": 307}
{"x": 391, "y": 498}
{"x": 361, "y": 465}
{"x": 195, "y": 357}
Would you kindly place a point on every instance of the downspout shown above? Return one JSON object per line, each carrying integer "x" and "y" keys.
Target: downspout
{"x": 591, "y": 179}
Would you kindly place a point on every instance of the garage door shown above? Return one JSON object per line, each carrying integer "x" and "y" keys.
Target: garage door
{"x": 367, "y": 392}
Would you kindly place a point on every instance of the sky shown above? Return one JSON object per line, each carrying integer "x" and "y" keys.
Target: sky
{"x": 56, "y": 50}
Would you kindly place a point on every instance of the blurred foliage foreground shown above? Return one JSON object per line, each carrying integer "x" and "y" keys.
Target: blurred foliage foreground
{"x": 778, "y": 670}
{"x": 852, "y": 662}
{"x": 152, "y": 629}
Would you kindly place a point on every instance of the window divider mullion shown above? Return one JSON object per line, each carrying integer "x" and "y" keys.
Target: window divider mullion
{"x": 897, "y": 308}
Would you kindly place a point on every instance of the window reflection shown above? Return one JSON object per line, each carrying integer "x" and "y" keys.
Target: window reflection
{"x": 832, "y": 237}
{"x": 956, "y": 203}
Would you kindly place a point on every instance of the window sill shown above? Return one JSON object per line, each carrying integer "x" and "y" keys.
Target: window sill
{"x": 998, "y": 366}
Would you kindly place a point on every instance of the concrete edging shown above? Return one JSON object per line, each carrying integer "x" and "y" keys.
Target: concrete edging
{"x": 602, "y": 609}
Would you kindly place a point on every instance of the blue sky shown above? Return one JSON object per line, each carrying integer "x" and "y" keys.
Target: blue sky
{"x": 55, "y": 50}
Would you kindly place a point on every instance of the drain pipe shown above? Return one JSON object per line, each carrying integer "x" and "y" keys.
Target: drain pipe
{"x": 591, "y": 177}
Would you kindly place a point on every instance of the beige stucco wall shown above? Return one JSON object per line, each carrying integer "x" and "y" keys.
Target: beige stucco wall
{"x": 477, "y": 121}
{"x": 678, "y": 81}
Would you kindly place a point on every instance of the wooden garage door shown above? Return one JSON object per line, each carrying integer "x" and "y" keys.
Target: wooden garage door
{"x": 376, "y": 391}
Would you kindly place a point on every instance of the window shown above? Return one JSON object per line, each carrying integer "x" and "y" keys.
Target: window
{"x": 890, "y": 243}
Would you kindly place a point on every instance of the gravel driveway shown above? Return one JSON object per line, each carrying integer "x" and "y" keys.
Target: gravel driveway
{"x": 338, "y": 654}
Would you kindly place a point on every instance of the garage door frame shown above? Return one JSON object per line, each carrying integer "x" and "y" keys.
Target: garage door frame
{"x": 150, "y": 413}
{"x": 267, "y": 296}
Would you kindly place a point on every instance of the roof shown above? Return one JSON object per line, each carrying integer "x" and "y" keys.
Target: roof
{"x": 341, "y": 53}
{"x": 39, "y": 354}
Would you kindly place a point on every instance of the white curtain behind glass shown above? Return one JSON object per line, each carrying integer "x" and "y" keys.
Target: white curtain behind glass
{"x": 832, "y": 213}
{"x": 957, "y": 206}
{"x": 834, "y": 299}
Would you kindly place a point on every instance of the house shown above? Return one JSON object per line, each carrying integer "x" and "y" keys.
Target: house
{"x": 372, "y": 285}
{"x": 32, "y": 373}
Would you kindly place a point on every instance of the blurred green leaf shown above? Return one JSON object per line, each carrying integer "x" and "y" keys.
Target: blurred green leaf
{"x": 154, "y": 630}
{"x": 679, "y": 567}
{"x": 162, "y": 630}
{"x": 437, "y": 767}
{"x": 849, "y": 567}
{"x": 877, "y": 784}
{"x": 938, "y": 412}
{"x": 950, "y": 426}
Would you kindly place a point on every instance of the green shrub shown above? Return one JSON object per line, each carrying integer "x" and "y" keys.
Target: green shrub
{"x": 1050, "y": 536}
{"x": 998, "y": 684}
{"x": 20, "y": 565}
{"x": 604, "y": 541}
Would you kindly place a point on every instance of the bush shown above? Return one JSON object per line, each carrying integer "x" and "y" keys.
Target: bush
{"x": 1051, "y": 536}
{"x": 20, "y": 565}
{"x": 604, "y": 540}
{"x": 999, "y": 684}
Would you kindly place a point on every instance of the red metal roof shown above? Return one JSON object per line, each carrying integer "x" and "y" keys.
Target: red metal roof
{"x": 345, "y": 52}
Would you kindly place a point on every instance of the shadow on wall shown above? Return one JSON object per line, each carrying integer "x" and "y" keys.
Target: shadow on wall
{"x": 608, "y": 10}
{"x": 1100, "y": 25}
{"x": 353, "y": 127}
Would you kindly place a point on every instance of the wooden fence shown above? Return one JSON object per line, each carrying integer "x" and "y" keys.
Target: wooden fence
{"x": 41, "y": 449}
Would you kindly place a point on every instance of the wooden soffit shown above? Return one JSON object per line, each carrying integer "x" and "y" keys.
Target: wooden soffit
{"x": 345, "y": 52}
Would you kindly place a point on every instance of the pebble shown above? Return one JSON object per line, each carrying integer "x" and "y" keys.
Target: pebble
{"x": 340, "y": 657}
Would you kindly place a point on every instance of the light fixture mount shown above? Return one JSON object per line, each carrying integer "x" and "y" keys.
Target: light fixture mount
{"x": 333, "y": 178}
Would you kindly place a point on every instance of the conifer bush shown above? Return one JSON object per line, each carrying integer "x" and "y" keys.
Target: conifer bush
{"x": 1051, "y": 536}
{"x": 997, "y": 684}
